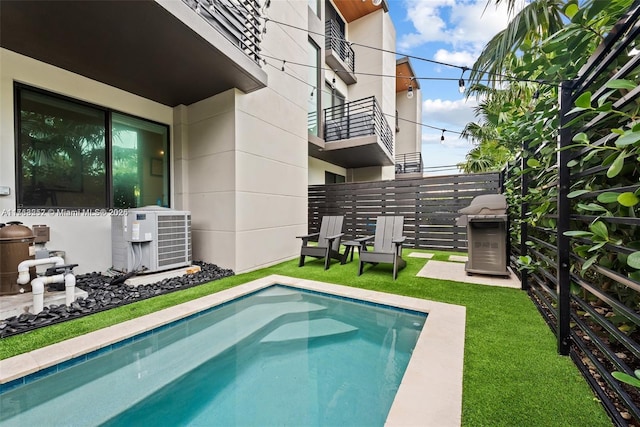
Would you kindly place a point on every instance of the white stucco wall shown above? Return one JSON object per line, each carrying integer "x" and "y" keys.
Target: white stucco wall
{"x": 85, "y": 239}
{"x": 242, "y": 169}
{"x": 409, "y": 138}
{"x": 318, "y": 167}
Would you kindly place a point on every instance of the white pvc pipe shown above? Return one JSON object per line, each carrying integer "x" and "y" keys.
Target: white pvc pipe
{"x": 37, "y": 288}
{"x": 69, "y": 288}
{"x": 23, "y": 267}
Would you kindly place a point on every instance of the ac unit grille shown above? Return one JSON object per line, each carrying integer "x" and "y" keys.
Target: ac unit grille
{"x": 174, "y": 246}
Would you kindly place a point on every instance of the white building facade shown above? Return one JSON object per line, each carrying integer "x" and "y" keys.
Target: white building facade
{"x": 191, "y": 105}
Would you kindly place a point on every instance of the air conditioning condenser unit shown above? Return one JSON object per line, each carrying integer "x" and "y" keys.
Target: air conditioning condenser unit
{"x": 151, "y": 239}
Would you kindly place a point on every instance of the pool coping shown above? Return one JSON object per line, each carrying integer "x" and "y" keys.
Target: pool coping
{"x": 430, "y": 393}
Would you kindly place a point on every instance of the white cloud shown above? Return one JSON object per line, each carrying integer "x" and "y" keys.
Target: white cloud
{"x": 453, "y": 114}
{"x": 470, "y": 25}
{"x": 451, "y": 140}
{"x": 462, "y": 58}
{"x": 440, "y": 157}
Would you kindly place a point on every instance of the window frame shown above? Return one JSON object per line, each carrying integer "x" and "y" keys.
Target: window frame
{"x": 108, "y": 203}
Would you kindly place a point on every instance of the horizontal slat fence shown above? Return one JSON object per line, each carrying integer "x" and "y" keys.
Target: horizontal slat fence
{"x": 429, "y": 205}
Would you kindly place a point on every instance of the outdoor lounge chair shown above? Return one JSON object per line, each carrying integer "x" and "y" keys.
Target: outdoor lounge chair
{"x": 387, "y": 246}
{"x": 329, "y": 239}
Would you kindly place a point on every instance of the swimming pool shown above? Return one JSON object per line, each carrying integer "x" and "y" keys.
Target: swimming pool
{"x": 235, "y": 379}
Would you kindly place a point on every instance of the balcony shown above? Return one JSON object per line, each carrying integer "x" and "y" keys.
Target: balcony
{"x": 163, "y": 50}
{"x": 338, "y": 53}
{"x": 409, "y": 165}
{"x": 356, "y": 135}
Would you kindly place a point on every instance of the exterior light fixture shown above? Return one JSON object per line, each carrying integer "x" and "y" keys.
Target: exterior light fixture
{"x": 376, "y": 2}
{"x": 410, "y": 89}
{"x": 461, "y": 87}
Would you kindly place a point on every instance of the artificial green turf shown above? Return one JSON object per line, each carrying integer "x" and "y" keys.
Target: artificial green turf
{"x": 513, "y": 375}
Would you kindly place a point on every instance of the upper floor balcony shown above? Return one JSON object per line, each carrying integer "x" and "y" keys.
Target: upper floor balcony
{"x": 409, "y": 165}
{"x": 356, "y": 135}
{"x": 173, "y": 52}
{"x": 339, "y": 54}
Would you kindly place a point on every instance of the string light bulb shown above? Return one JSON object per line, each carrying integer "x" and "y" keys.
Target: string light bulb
{"x": 442, "y": 136}
{"x": 198, "y": 8}
{"x": 461, "y": 86}
{"x": 283, "y": 62}
{"x": 376, "y": 2}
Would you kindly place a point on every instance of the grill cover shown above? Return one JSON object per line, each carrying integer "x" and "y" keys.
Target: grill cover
{"x": 487, "y": 224}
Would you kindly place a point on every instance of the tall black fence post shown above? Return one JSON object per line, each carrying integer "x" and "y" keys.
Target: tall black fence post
{"x": 564, "y": 275}
{"x": 524, "y": 209}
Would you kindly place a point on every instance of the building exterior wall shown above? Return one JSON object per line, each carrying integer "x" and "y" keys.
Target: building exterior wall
{"x": 408, "y": 138}
{"x": 318, "y": 167}
{"x": 244, "y": 162}
{"x": 85, "y": 239}
{"x": 366, "y": 174}
{"x": 238, "y": 161}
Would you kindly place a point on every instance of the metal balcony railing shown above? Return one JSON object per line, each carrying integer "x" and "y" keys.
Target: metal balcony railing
{"x": 335, "y": 41}
{"x": 237, "y": 20}
{"x": 409, "y": 163}
{"x": 358, "y": 118}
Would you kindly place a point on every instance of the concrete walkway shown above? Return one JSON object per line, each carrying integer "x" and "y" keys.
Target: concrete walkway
{"x": 454, "y": 270}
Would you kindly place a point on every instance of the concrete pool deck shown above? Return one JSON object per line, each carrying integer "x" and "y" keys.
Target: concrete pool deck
{"x": 430, "y": 393}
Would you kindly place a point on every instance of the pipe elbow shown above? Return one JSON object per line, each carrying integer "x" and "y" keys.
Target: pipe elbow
{"x": 37, "y": 286}
{"x": 24, "y": 266}
{"x": 23, "y": 277}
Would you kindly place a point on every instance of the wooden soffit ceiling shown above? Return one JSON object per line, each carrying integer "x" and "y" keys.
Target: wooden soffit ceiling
{"x": 404, "y": 72}
{"x": 355, "y": 9}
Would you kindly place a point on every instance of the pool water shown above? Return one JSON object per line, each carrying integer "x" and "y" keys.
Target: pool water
{"x": 280, "y": 356}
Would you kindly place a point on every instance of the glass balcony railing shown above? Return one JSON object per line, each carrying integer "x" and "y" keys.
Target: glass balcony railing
{"x": 237, "y": 20}
{"x": 357, "y": 118}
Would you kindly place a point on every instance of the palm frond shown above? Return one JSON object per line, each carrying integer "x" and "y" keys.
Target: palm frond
{"x": 534, "y": 22}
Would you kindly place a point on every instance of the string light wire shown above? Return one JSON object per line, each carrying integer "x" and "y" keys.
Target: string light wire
{"x": 386, "y": 114}
{"x": 419, "y": 58}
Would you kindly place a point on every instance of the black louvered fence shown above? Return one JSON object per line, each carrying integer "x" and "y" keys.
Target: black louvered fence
{"x": 574, "y": 197}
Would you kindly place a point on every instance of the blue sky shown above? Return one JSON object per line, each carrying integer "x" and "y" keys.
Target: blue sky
{"x": 453, "y": 32}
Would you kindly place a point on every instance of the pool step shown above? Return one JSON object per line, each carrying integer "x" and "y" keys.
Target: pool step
{"x": 133, "y": 382}
{"x": 308, "y": 329}
{"x": 277, "y": 294}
